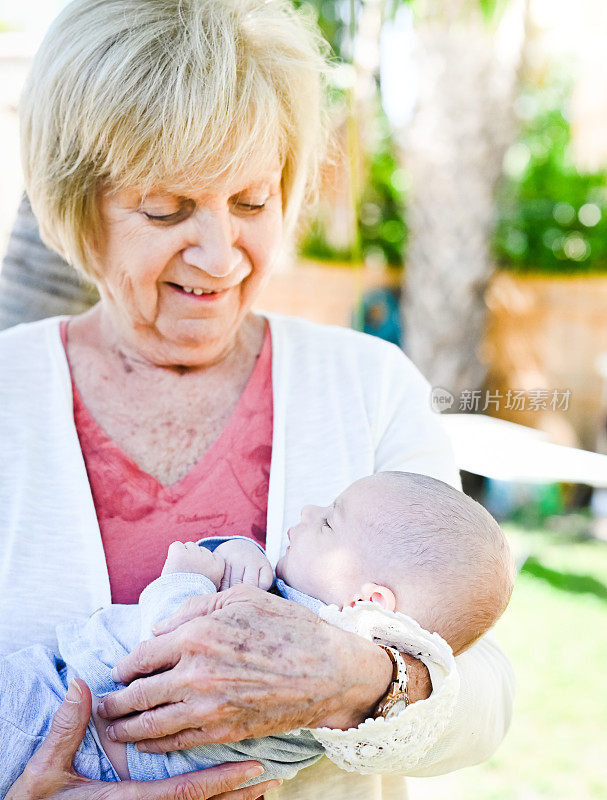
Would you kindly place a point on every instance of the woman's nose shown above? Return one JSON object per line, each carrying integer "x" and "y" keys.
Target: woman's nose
{"x": 213, "y": 251}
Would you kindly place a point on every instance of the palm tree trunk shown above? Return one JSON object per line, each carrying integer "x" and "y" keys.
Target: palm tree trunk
{"x": 453, "y": 153}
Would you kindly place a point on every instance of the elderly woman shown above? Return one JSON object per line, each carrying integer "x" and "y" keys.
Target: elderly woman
{"x": 167, "y": 148}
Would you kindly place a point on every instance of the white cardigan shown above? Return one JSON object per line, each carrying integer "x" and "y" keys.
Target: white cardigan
{"x": 345, "y": 405}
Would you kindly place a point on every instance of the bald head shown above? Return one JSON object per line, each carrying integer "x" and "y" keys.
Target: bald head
{"x": 442, "y": 554}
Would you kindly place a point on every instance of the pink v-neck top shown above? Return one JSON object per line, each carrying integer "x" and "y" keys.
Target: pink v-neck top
{"x": 225, "y": 493}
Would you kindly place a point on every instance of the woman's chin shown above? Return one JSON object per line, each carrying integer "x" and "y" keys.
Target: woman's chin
{"x": 192, "y": 343}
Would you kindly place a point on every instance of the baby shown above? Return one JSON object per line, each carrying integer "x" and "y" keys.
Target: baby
{"x": 399, "y": 544}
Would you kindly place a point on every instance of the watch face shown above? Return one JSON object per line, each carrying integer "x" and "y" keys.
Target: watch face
{"x": 394, "y": 706}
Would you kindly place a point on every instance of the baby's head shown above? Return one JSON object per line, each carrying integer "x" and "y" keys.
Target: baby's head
{"x": 409, "y": 543}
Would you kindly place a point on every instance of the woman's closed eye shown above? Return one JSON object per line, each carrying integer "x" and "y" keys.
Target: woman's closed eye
{"x": 251, "y": 207}
{"x": 186, "y": 210}
{"x": 171, "y": 218}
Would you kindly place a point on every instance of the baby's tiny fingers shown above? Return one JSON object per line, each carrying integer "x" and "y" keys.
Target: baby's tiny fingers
{"x": 238, "y": 573}
{"x": 251, "y": 575}
{"x": 225, "y": 581}
{"x": 266, "y": 576}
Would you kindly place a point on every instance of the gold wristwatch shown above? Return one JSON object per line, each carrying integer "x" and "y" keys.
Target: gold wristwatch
{"x": 397, "y": 696}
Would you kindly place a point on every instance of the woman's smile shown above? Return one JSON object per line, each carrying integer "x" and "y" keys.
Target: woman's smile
{"x": 200, "y": 295}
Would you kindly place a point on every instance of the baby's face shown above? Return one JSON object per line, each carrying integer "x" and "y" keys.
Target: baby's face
{"x": 326, "y": 548}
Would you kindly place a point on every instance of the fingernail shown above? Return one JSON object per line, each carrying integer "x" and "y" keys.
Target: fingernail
{"x": 101, "y": 709}
{"x": 114, "y": 675}
{"x": 253, "y": 772}
{"x": 111, "y": 733}
{"x": 142, "y": 748}
{"x": 74, "y": 693}
{"x": 274, "y": 784}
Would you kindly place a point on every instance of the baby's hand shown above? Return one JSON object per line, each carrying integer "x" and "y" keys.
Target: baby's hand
{"x": 244, "y": 563}
{"x": 190, "y": 557}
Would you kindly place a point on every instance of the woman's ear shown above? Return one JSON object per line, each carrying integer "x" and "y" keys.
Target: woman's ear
{"x": 375, "y": 593}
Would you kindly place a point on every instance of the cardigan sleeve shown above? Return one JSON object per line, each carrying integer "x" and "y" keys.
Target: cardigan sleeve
{"x": 409, "y": 436}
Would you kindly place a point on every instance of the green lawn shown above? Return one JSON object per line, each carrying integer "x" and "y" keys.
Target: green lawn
{"x": 555, "y": 632}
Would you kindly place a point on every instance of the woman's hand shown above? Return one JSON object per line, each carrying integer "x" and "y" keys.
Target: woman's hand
{"x": 49, "y": 772}
{"x": 239, "y": 664}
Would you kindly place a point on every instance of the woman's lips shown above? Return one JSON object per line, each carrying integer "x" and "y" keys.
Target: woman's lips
{"x": 198, "y": 295}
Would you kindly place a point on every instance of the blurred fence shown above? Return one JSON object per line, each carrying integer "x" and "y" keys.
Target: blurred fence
{"x": 546, "y": 334}
{"x": 543, "y": 335}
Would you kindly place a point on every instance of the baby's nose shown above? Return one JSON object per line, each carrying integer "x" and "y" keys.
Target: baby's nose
{"x": 307, "y": 512}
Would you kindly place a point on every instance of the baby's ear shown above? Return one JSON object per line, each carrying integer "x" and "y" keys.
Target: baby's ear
{"x": 375, "y": 593}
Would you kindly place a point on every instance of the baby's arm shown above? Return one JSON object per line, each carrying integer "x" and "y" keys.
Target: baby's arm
{"x": 189, "y": 570}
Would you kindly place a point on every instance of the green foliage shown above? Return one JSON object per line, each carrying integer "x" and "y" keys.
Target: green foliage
{"x": 381, "y": 229}
{"x": 382, "y": 209}
{"x": 381, "y": 226}
{"x": 333, "y": 17}
{"x": 492, "y": 8}
{"x": 551, "y": 217}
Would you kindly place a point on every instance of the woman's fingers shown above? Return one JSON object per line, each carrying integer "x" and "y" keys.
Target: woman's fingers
{"x": 153, "y": 724}
{"x": 192, "y": 608}
{"x": 201, "y": 606}
{"x": 149, "y": 656}
{"x": 141, "y": 695}
{"x": 50, "y": 774}
{"x": 209, "y": 784}
{"x": 57, "y": 751}
{"x": 185, "y": 738}
{"x": 182, "y": 740}
{"x": 251, "y": 792}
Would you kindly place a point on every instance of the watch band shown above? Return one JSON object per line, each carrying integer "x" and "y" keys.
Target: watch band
{"x": 397, "y": 691}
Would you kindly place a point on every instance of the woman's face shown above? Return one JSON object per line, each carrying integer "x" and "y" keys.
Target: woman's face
{"x": 180, "y": 272}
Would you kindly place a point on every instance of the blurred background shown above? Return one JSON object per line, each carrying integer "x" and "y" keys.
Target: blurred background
{"x": 463, "y": 216}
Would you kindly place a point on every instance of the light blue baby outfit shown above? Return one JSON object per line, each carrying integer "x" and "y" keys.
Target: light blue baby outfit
{"x": 33, "y": 684}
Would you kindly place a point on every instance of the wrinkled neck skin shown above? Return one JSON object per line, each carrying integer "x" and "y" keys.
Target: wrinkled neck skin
{"x": 141, "y": 348}
{"x": 97, "y": 333}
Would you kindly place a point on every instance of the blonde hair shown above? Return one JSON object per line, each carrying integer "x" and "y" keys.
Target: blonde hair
{"x": 165, "y": 93}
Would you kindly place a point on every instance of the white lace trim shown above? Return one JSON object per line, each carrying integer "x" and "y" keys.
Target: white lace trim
{"x": 396, "y": 744}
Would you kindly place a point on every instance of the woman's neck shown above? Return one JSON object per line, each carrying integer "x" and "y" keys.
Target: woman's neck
{"x": 98, "y": 329}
